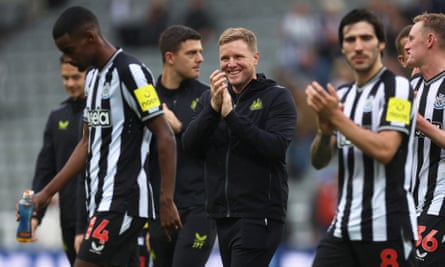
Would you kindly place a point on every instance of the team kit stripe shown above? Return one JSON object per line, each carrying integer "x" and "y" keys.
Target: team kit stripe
{"x": 119, "y": 140}
{"x": 375, "y": 203}
{"x": 429, "y": 190}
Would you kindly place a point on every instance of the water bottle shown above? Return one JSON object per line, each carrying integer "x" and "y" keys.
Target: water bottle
{"x": 26, "y": 207}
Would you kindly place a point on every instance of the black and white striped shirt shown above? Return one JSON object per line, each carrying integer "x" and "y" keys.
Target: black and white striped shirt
{"x": 120, "y": 98}
{"x": 374, "y": 202}
{"x": 429, "y": 163}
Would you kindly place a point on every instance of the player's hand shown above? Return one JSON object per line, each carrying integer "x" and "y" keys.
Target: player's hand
{"x": 169, "y": 218}
{"x": 147, "y": 242}
{"x": 17, "y": 212}
{"x": 77, "y": 241}
{"x": 218, "y": 83}
{"x": 323, "y": 101}
{"x": 40, "y": 201}
{"x": 227, "y": 105}
{"x": 172, "y": 120}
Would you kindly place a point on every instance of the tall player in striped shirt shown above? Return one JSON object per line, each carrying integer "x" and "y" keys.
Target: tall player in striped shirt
{"x": 370, "y": 123}
{"x": 122, "y": 112}
{"x": 426, "y": 50}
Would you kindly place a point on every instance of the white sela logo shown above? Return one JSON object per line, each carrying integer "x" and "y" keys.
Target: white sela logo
{"x": 99, "y": 118}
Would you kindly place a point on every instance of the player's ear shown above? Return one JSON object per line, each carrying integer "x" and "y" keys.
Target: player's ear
{"x": 401, "y": 59}
{"x": 382, "y": 46}
{"x": 90, "y": 35}
{"x": 431, "y": 39}
{"x": 169, "y": 57}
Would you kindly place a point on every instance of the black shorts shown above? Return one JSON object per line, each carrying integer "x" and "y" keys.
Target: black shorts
{"x": 111, "y": 240}
{"x": 190, "y": 246}
{"x": 430, "y": 249}
{"x": 339, "y": 252}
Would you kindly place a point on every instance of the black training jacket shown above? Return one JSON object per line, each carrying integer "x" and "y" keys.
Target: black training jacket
{"x": 189, "y": 188}
{"x": 63, "y": 131}
{"x": 245, "y": 152}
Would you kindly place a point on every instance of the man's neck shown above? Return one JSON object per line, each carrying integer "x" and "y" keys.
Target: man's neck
{"x": 432, "y": 68}
{"x": 170, "y": 79}
{"x": 363, "y": 77}
{"x": 106, "y": 53}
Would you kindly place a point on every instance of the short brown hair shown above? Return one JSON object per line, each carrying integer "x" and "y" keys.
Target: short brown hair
{"x": 233, "y": 34}
{"x": 402, "y": 34}
{"x": 172, "y": 37}
{"x": 434, "y": 22}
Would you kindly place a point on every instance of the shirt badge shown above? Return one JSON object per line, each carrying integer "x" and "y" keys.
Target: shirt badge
{"x": 106, "y": 91}
{"x": 63, "y": 125}
{"x": 440, "y": 102}
{"x": 368, "y": 104}
{"x": 256, "y": 104}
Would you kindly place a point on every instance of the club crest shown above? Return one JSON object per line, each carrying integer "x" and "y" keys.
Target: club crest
{"x": 440, "y": 102}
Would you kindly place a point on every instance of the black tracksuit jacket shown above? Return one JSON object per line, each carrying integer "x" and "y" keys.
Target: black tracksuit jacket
{"x": 63, "y": 131}
{"x": 245, "y": 152}
{"x": 189, "y": 189}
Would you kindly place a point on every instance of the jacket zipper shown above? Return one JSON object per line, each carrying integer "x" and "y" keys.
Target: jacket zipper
{"x": 226, "y": 174}
{"x": 226, "y": 184}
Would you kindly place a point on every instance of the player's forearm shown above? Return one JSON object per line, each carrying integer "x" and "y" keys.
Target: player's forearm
{"x": 321, "y": 150}
{"x": 72, "y": 167}
{"x": 436, "y": 134}
{"x": 167, "y": 164}
{"x": 381, "y": 145}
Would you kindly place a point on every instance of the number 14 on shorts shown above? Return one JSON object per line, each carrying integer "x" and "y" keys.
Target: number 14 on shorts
{"x": 99, "y": 232}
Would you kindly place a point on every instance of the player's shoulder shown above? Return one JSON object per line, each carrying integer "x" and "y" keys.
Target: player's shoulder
{"x": 199, "y": 85}
{"x": 400, "y": 81}
{"x": 387, "y": 74}
{"x": 61, "y": 106}
{"x": 129, "y": 67}
{"x": 123, "y": 58}
{"x": 343, "y": 88}
{"x": 126, "y": 63}
{"x": 60, "y": 110}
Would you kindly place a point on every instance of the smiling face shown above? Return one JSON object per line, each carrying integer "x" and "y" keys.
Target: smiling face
{"x": 239, "y": 63}
{"x": 73, "y": 80}
{"x": 362, "y": 48}
{"x": 416, "y": 46}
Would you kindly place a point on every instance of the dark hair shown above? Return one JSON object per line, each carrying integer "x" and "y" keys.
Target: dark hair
{"x": 172, "y": 37}
{"x": 402, "y": 34}
{"x": 74, "y": 19}
{"x": 358, "y": 15}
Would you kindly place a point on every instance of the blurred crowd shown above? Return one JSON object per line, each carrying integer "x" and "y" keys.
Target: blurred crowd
{"x": 18, "y": 13}
{"x": 145, "y": 30}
